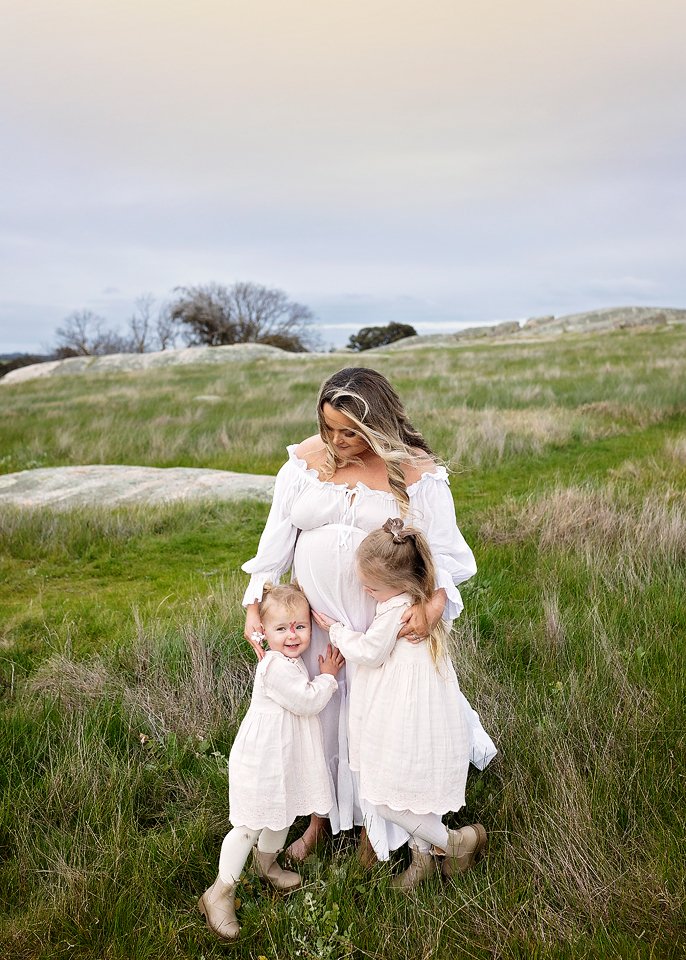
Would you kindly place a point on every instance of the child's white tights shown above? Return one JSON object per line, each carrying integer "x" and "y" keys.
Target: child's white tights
{"x": 239, "y": 842}
{"x": 426, "y": 829}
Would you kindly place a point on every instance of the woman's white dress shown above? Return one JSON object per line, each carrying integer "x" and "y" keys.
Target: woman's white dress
{"x": 313, "y": 529}
{"x": 277, "y": 768}
{"x": 408, "y": 732}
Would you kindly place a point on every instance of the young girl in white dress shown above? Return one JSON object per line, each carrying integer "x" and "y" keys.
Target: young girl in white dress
{"x": 277, "y": 769}
{"x": 409, "y": 736}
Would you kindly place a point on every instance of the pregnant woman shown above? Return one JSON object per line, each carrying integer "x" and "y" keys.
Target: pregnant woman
{"x": 366, "y": 464}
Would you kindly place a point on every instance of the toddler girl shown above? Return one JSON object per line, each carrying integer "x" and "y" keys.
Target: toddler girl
{"x": 277, "y": 769}
{"x": 408, "y": 734}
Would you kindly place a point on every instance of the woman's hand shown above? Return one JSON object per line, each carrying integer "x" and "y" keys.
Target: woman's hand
{"x": 332, "y": 662}
{"x": 416, "y": 626}
{"x": 322, "y": 620}
{"x": 253, "y": 629}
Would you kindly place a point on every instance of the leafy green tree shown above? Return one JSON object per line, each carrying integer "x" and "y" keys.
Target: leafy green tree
{"x": 369, "y": 337}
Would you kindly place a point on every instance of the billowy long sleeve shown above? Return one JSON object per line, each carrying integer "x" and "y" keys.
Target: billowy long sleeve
{"x": 372, "y": 648}
{"x": 433, "y": 511}
{"x": 275, "y": 551}
{"x": 286, "y": 682}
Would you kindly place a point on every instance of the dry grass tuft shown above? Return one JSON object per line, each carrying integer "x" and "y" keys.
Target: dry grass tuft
{"x": 490, "y": 435}
{"x": 675, "y": 450}
{"x": 553, "y": 624}
{"x": 623, "y": 413}
{"x": 183, "y": 682}
{"x": 187, "y": 686}
{"x": 596, "y": 523}
{"x": 74, "y": 684}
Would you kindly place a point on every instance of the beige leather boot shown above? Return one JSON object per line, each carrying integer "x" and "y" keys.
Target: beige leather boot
{"x": 266, "y": 866}
{"x": 464, "y": 848}
{"x": 422, "y": 867}
{"x": 217, "y": 905}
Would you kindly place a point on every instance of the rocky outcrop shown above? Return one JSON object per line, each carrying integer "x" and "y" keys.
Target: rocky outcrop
{"x": 113, "y": 486}
{"x": 594, "y": 321}
{"x": 611, "y": 318}
{"x": 492, "y": 331}
{"x": 116, "y": 362}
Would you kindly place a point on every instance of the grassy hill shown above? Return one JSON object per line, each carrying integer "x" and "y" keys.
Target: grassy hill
{"x": 124, "y": 674}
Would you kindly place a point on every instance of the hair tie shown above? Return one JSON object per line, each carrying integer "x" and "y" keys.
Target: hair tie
{"x": 396, "y": 528}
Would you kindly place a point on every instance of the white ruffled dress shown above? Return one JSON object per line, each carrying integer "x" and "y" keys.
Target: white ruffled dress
{"x": 277, "y": 768}
{"x": 313, "y": 529}
{"x": 408, "y": 732}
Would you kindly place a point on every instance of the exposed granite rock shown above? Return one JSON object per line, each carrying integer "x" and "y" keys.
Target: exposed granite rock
{"x": 505, "y": 329}
{"x": 610, "y": 318}
{"x": 539, "y": 321}
{"x": 113, "y": 486}
{"x": 144, "y": 361}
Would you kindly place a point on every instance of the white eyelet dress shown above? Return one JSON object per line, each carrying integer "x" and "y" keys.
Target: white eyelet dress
{"x": 313, "y": 529}
{"x": 408, "y": 730}
{"x": 277, "y": 768}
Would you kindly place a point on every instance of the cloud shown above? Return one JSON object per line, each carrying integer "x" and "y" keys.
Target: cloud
{"x": 489, "y": 161}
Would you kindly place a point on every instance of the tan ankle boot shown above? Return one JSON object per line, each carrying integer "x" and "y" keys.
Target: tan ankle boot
{"x": 464, "y": 848}
{"x": 217, "y": 905}
{"x": 267, "y": 867}
{"x": 422, "y": 867}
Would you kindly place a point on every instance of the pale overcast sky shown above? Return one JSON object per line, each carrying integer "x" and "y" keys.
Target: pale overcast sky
{"x": 439, "y": 163}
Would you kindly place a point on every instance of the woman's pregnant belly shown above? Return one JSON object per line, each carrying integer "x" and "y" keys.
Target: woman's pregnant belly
{"x": 324, "y": 566}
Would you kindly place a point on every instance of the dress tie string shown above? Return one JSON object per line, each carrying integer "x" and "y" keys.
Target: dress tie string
{"x": 347, "y": 519}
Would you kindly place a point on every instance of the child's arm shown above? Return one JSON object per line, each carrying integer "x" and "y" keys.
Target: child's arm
{"x": 370, "y": 648}
{"x": 286, "y": 685}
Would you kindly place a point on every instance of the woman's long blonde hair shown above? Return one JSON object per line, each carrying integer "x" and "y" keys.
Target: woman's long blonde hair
{"x": 366, "y": 397}
{"x": 400, "y": 557}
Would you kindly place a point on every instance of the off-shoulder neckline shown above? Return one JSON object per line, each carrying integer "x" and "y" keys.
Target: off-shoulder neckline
{"x": 439, "y": 473}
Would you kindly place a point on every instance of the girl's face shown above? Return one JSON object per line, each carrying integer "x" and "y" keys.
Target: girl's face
{"x": 375, "y": 588}
{"x": 288, "y": 629}
{"x": 343, "y": 433}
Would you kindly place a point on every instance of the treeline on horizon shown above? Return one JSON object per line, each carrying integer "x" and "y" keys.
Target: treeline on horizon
{"x": 205, "y": 315}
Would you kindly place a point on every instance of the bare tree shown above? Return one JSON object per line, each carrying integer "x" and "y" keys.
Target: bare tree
{"x": 211, "y": 314}
{"x": 140, "y": 324}
{"x": 166, "y": 328}
{"x": 112, "y": 342}
{"x": 83, "y": 333}
{"x": 243, "y": 313}
{"x": 150, "y": 331}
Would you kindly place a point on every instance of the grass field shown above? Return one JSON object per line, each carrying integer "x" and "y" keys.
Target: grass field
{"x": 124, "y": 675}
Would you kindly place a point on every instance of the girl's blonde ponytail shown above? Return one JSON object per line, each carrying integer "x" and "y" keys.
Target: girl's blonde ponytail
{"x": 400, "y": 556}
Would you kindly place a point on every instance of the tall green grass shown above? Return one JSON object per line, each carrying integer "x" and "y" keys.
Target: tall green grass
{"x": 124, "y": 675}
{"x": 480, "y": 405}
